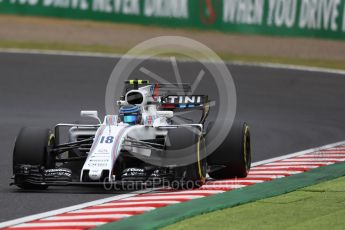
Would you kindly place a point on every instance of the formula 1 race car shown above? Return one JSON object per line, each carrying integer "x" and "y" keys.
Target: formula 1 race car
{"x": 141, "y": 144}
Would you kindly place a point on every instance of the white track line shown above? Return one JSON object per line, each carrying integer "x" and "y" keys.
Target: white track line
{"x": 105, "y": 55}
{"x": 289, "y": 67}
{"x": 60, "y": 224}
{"x": 111, "y": 210}
{"x": 234, "y": 181}
{"x": 323, "y": 155}
{"x": 277, "y": 170}
{"x": 194, "y": 192}
{"x": 168, "y": 197}
{"x": 297, "y": 168}
{"x": 273, "y": 172}
{"x": 266, "y": 176}
{"x": 316, "y": 160}
{"x": 297, "y": 164}
{"x": 227, "y": 186}
{"x": 297, "y": 154}
{"x": 163, "y": 202}
{"x": 85, "y": 217}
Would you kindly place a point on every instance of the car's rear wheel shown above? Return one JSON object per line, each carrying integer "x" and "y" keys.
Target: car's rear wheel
{"x": 31, "y": 148}
{"x": 233, "y": 157}
{"x": 192, "y": 175}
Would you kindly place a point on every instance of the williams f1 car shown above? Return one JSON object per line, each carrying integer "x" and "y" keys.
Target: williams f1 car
{"x": 141, "y": 144}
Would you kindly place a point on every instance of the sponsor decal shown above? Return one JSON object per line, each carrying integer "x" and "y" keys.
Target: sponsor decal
{"x": 243, "y": 11}
{"x": 166, "y": 8}
{"x": 58, "y": 172}
{"x": 295, "y": 15}
{"x": 149, "y": 120}
{"x": 208, "y": 13}
{"x": 101, "y": 165}
{"x": 134, "y": 170}
{"x": 183, "y": 99}
{"x": 100, "y": 153}
{"x": 126, "y": 7}
{"x": 99, "y": 160}
{"x": 320, "y": 18}
{"x": 146, "y": 8}
{"x": 319, "y": 14}
{"x": 102, "y": 150}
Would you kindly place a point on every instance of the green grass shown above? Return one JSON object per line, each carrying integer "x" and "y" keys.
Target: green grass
{"x": 320, "y": 206}
{"x": 334, "y": 64}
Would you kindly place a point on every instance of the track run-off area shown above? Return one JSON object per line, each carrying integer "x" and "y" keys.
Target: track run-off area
{"x": 288, "y": 109}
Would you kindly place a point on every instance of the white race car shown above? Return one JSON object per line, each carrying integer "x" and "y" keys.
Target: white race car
{"x": 142, "y": 144}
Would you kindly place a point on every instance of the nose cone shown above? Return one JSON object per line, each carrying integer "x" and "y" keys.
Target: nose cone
{"x": 95, "y": 174}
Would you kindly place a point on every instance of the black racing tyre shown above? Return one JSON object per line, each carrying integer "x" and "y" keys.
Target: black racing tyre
{"x": 31, "y": 148}
{"x": 233, "y": 157}
{"x": 192, "y": 175}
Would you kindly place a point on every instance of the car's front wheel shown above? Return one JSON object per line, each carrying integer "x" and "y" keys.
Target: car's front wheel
{"x": 31, "y": 148}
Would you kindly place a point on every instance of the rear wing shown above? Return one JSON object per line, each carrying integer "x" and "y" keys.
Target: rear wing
{"x": 187, "y": 102}
{"x": 183, "y": 101}
{"x": 173, "y": 96}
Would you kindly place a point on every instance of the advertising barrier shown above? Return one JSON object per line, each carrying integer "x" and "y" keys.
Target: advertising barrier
{"x": 304, "y": 18}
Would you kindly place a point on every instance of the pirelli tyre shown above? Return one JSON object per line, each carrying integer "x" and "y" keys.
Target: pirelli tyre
{"x": 31, "y": 148}
{"x": 233, "y": 157}
{"x": 192, "y": 175}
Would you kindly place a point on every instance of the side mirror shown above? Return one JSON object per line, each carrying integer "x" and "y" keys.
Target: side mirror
{"x": 90, "y": 114}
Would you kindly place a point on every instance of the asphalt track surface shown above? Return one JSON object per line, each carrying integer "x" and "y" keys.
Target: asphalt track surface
{"x": 288, "y": 110}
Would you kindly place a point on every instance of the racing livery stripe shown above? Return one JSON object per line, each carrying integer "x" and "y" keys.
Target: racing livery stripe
{"x": 116, "y": 145}
{"x": 96, "y": 141}
{"x": 110, "y": 211}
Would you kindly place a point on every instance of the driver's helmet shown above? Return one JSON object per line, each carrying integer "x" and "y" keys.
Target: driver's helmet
{"x": 130, "y": 114}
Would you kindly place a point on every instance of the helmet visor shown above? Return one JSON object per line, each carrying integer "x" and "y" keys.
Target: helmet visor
{"x": 130, "y": 118}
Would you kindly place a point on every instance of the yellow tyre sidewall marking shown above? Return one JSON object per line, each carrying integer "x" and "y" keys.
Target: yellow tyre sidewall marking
{"x": 50, "y": 139}
{"x": 246, "y": 130}
{"x": 201, "y": 175}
